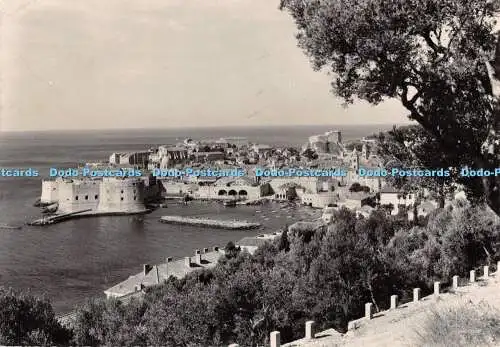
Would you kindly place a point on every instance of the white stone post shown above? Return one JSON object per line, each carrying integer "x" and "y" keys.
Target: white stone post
{"x": 275, "y": 339}
{"x": 368, "y": 310}
{"x": 437, "y": 286}
{"x": 310, "y": 330}
{"x": 394, "y": 302}
{"x": 455, "y": 282}
{"x": 472, "y": 278}
{"x": 486, "y": 271}
{"x": 416, "y": 294}
{"x": 498, "y": 268}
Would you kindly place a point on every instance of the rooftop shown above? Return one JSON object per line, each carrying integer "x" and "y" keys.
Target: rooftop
{"x": 257, "y": 241}
{"x": 156, "y": 274}
{"x": 390, "y": 190}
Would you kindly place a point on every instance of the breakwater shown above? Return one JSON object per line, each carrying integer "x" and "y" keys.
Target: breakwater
{"x": 213, "y": 223}
{"x": 57, "y": 218}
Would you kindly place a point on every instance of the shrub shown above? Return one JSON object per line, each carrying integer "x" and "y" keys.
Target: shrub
{"x": 467, "y": 325}
{"x": 28, "y": 320}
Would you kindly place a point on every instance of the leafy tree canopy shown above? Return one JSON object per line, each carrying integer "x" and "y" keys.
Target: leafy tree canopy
{"x": 432, "y": 55}
{"x": 28, "y": 320}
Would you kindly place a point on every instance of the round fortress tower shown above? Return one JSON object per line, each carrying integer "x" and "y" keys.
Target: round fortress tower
{"x": 121, "y": 195}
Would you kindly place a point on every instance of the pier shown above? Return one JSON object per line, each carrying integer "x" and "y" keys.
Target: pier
{"x": 212, "y": 223}
{"x": 48, "y": 220}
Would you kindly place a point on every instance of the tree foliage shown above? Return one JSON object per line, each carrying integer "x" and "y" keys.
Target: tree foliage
{"x": 28, "y": 320}
{"x": 411, "y": 147}
{"x": 323, "y": 273}
{"x": 432, "y": 55}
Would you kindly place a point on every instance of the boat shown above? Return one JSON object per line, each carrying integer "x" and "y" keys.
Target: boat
{"x": 11, "y": 227}
{"x": 229, "y": 203}
{"x": 39, "y": 203}
{"x": 51, "y": 208}
{"x": 41, "y": 221}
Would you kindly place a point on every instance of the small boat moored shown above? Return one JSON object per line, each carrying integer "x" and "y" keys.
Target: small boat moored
{"x": 229, "y": 203}
{"x": 10, "y": 227}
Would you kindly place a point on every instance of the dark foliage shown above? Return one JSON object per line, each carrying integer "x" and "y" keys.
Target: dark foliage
{"x": 27, "y": 320}
{"x": 320, "y": 273}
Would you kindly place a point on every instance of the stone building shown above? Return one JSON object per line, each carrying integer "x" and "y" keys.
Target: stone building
{"x": 396, "y": 198}
{"x": 169, "y": 157}
{"x": 242, "y": 188}
{"x": 103, "y": 195}
{"x": 329, "y": 142}
{"x": 157, "y": 274}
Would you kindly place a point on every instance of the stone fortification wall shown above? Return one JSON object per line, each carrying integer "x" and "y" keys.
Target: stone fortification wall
{"x": 121, "y": 195}
{"x": 50, "y": 191}
{"x": 311, "y": 184}
{"x": 245, "y": 192}
{"x": 76, "y": 195}
{"x": 99, "y": 195}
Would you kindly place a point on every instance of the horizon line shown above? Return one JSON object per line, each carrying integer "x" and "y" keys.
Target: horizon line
{"x": 206, "y": 127}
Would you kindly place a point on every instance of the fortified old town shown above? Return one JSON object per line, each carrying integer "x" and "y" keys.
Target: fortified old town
{"x": 250, "y": 173}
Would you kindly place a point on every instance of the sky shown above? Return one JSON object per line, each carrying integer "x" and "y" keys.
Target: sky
{"x": 110, "y": 64}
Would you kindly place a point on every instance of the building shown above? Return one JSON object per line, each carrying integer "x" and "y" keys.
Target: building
{"x": 390, "y": 196}
{"x": 178, "y": 188}
{"x": 105, "y": 195}
{"x": 423, "y": 209}
{"x": 132, "y": 158}
{"x": 169, "y": 156}
{"x": 251, "y": 243}
{"x": 364, "y": 211}
{"x": 354, "y": 201}
{"x": 50, "y": 193}
{"x": 318, "y": 199}
{"x": 237, "y": 141}
{"x": 368, "y": 162}
{"x": 328, "y": 215}
{"x": 114, "y": 158}
{"x": 242, "y": 188}
{"x": 308, "y": 184}
{"x": 206, "y": 157}
{"x": 152, "y": 275}
{"x": 261, "y": 149}
{"x": 329, "y": 142}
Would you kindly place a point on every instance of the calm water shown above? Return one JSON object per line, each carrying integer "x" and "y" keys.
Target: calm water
{"x": 73, "y": 260}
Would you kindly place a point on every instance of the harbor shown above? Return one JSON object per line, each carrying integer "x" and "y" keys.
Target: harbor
{"x": 212, "y": 223}
{"x": 85, "y": 255}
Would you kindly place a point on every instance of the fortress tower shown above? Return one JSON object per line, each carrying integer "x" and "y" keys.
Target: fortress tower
{"x": 334, "y": 136}
{"x": 121, "y": 195}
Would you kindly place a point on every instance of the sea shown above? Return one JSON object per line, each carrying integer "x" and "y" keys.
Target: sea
{"x": 78, "y": 259}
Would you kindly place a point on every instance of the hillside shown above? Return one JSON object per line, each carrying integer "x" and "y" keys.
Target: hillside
{"x": 402, "y": 327}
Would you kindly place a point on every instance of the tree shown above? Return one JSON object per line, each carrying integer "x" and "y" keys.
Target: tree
{"x": 284, "y": 244}
{"x": 231, "y": 251}
{"x": 27, "y": 320}
{"x": 356, "y": 187}
{"x": 434, "y": 56}
{"x": 411, "y": 147}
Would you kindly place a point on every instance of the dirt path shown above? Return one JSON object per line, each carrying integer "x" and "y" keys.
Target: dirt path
{"x": 400, "y": 327}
